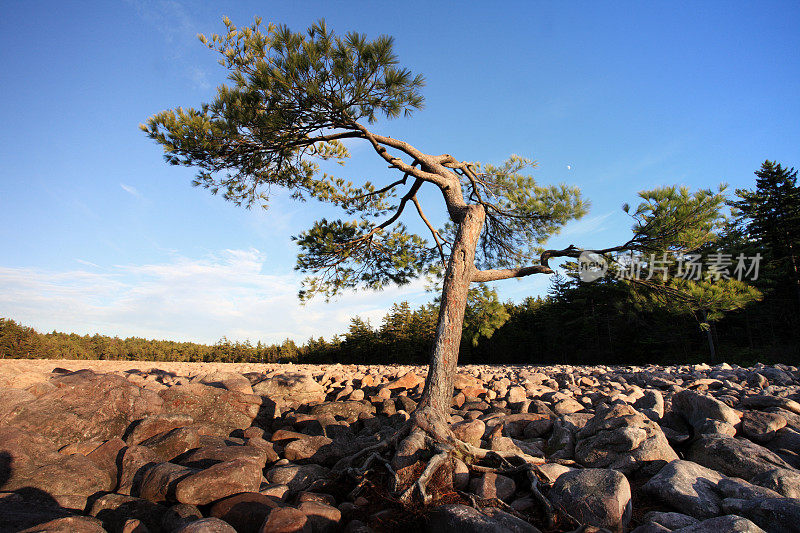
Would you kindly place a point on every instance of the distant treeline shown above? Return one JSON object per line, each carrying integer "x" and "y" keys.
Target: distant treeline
{"x": 608, "y": 321}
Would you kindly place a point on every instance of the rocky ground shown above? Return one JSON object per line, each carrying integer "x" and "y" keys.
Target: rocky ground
{"x": 130, "y": 447}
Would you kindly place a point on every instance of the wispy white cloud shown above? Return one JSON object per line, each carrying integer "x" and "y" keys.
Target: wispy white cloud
{"x": 170, "y": 18}
{"x": 87, "y": 263}
{"x": 200, "y": 78}
{"x": 202, "y": 299}
{"x": 130, "y": 190}
{"x": 587, "y": 226}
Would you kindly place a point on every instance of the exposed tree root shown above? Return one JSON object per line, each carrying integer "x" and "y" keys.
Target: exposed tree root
{"x": 427, "y": 439}
{"x": 421, "y": 484}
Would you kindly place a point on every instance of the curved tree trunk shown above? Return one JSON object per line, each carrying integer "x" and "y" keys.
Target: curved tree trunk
{"x": 438, "y": 392}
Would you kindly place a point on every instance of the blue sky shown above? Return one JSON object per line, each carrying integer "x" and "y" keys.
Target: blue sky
{"x": 99, "y": 235}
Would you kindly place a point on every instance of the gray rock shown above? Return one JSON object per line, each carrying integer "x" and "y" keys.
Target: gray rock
{"x": 561, "y": 444}
{"x": 348, "y": 410}
{"x": 774, "y": 515}
{"x": 651, "y": 404}
{"x": 206, "y": 525}
{"x": 670, "y": 520}
{"x": 651, "y": 527}
{"x": 786, "y": 445}
{"x": 760, "y": 426}
{"x": 594, "y": 496}
{"x": 720, "y": 524}
{"x": 783, "y": 481}
{"x": 178, "y": 516}
{"x": 323, "y": 518}
{"x": 621, "y": 438}
{"x": 696, "y": 408}
{"x": 491, "y": 485}
{"x": 734, "y": 457}
{"x": 470, "y": 431}
{"x": 297, "y": 477}
{"x": 290, "y": 389}
{"x": 733, "y": 487}
{"x": 711, "y": 427}
{"x": 455, "y": 518}
{"x": 688, "y": 487}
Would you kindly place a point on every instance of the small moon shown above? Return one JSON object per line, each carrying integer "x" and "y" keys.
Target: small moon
{"x": 569, "y": 167}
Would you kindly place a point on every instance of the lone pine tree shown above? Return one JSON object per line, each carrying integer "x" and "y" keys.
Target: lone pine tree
{"x": 292, "y": 99}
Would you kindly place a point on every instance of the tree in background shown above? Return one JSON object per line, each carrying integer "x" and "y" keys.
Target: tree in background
{"x": 292, "y": 99}
{"x": 485, "y": 313}
{"x": 769, "y": 219}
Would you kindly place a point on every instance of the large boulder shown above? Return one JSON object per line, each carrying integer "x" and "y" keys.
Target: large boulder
{"x": 456, "y": 518}
{"x": 171, "y": 444}
{"x": 290, "y": 390}
{"x": 297, "y": 477}
{"x": 786, "y": 444}
{"x": 157, "y": 482}
{"x": 29, "y": 460}
{"x": 594, "y": 496}
{"x": 687, "y": 487}
{"x": 760, "y": 426}
{"x": 670, "y": 520}
{"x": 734, "y": 457}
{"x": 115, "y": 509}
{"x": 286, "y": 520}
{"x": 83, "y": 406}
{"x": 726, "y": 524}
{"x": 68, "y": 524}
{"x": 783, "y": 481}
{"x": 621, "y": 438}
{"x": 218, "y": 481}
{"x": 774, "y": 515}
{"x": 206, "y": 525}
{"x": 696, "y": 408}
{"x": 143, "y": 429}
{"x": 245, "y": 511}
{"x": 212, "y": 405}
{"x": 19, "y": 511}
{"x": 491, "y": 485}
{"x": 349, "y": 410}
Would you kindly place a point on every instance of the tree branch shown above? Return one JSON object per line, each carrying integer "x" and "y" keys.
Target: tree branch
{"x": 543, "y": 268}
{"x": 430, "y": 227}
{"x": 408, "y": 196}
{"x": 481, "y": 276}
{"x": 396, "y": 162}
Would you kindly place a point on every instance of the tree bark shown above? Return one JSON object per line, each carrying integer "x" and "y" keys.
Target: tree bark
{"x": 710, "y": 338}
{"x": 438, "y": 391}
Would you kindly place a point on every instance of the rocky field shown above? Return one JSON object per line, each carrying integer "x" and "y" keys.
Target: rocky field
{"x": 92, "y": 446}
